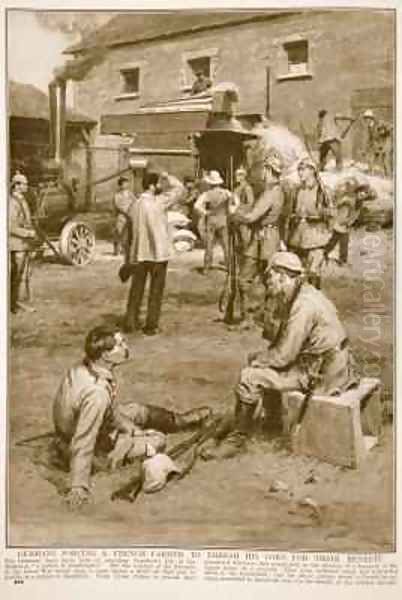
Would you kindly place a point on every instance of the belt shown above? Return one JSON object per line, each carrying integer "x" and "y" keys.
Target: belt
{"x": 338, "y": 348}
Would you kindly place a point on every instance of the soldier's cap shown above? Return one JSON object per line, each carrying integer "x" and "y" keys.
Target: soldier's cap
{"x": 273, "y": 160}
{"x": 288, "y": 261}
{"x": 19, "y": 178}
{"x": 307, "y": 162}
{"x": 368, "y": 114}
{"x": 322, "y": 112}
{"x": 213, "y": 178}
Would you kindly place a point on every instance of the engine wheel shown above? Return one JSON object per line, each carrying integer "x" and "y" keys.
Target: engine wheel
{"x": 77, "y": 243}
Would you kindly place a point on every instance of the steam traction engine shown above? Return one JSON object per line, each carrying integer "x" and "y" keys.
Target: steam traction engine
{"x": 58, "y": 207}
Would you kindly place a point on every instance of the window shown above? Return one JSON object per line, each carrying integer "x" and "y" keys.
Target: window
{"x": 202, "y": 64}
{"x": 131, "y": 80}
{"x": 204, "y": 61}
{"x": 297, "y": 55}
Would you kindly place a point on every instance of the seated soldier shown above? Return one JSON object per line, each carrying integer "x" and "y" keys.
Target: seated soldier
{"x": 87, "y": 418}
{"x": 309, "y": 350}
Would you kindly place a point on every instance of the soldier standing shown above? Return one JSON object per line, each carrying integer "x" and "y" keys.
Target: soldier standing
{"x": 378, "y": 150}
{"x": 309, "y": 222}
{"x": 122, "y": 202}
{"x": 262, "y": 237}
{"x": 22, "y": 238}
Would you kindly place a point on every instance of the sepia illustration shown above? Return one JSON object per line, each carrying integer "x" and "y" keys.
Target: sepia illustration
{"x": 201, "y": 279}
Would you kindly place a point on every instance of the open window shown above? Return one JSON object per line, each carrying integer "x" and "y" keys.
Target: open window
{"x": 130, "y": 81}
{"x": 297, "y": 55}
{"x": 204, "y": 61}
{"x": 200, "y": 65}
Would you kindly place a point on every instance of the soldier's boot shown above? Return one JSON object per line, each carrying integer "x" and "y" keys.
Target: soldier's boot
{"x": 192, "y": 419}
{"x": 235, "y": 442}
{"x": 246, "y": 319}
{"x": 315, "y": 280}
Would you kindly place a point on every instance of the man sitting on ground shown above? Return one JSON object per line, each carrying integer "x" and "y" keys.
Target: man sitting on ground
{"x": 310, "y": 350}
{"x": 87, "y": 418}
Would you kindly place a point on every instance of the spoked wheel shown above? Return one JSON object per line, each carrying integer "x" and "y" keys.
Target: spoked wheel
{"x": 77, "y": 243}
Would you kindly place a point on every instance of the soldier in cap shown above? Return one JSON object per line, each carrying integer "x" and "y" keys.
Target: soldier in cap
{"x": 22, "y": 238}
{"x": 378, "y": 145}
{"x": 264, "y": 225}
{"x": 122, "y": 202}
{"x": 310, "y": 210}
{"x": 309, "y": 351}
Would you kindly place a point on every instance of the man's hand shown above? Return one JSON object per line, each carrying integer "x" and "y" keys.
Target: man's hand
{"x": 256, "y": 359}
{"x": 30, "y": 233}
{"x": 282, "y": 246}
{"x": 77, "y": 497}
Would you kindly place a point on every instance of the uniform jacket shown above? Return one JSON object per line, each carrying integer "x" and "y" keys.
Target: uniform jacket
{"x": 309, "y": 218}
{"x": 245, "y": 193}
{"x": 122, "y": 201}
{"x": 311, "y": 331}
{"x": 148, "y": 235}
{"x": 19, "y": 224}
{"x": 83, "y": 410}
{"x": 264, "y": 222}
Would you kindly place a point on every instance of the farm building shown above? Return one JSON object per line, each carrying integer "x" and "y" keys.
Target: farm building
{"x": 287, "y": 65}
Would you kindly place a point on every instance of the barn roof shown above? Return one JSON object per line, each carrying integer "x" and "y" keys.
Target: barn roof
{"x": 29, "y": 102}
{"x": 139, "y": 26}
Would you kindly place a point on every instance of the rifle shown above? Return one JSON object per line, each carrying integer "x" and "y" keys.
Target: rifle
{"x": 230, "y": 292}
{"x": 321, "y": 187}
{"x": 132, "y": 488}
{"x": 44, "y": 239}
{"x": 34, "y": 438}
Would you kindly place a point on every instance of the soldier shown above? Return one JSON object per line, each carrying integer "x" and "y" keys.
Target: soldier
{"x": 310, "y": 352}
{"x": 122, "y": 202}
{"x": 214, "y": 206}
{"x": 22, "y": 239}
{"x": 262, "y": 237}
{"x": 88, "y": 419}
{"x": 378, "y": 149}
{"x": 309, "y": 221}
{"x": 243, "y": 189}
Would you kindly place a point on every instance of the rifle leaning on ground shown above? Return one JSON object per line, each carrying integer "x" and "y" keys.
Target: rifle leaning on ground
{"x": 230, "y": 292}
{"x": 44, "y": 239}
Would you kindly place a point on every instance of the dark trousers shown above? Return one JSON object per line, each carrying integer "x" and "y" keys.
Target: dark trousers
{"x": 18, "y": 264}
{"x": 343, "y": 240}
{"x": 157, "y": 272}
{"x": 335, "y": 147}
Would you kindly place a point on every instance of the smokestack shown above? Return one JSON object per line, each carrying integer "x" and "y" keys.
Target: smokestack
{"x": 52, "y": 118}
{"x": 57, "y": 110}
{"x": 62, "y": 120}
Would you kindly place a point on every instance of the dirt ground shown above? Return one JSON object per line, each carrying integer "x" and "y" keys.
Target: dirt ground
{"x": 195, "y": 361}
